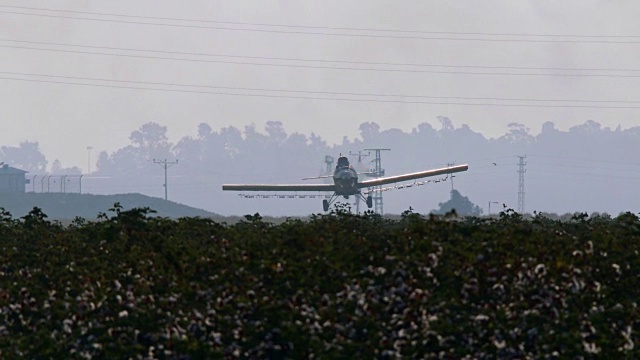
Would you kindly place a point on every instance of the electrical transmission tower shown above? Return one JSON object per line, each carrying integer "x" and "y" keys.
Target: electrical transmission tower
{"x": 521, "y": 171}
{"x": 165, "y": 164}
{"x": 377, "y": 171}
{"x": 451, "y": 175}
{"x": 360, "y": 156}
{"x": 328, "y": 160}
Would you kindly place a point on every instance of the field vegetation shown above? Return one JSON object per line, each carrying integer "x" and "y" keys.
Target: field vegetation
{"x": 333, "y": 286}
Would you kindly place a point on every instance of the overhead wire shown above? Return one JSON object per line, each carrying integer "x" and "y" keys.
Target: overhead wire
{"x": 317, "y": 27}
{"x": 609, "y": 176}
{"x": 585, "y": 160}
{"x": 399, "y": 101}
{"x": 320, "y": 67}
{"x": 573, "y": 166}
{"x": 315, "y": 92}
{"x": 309, "y": 60}
{"x": 335, "y": 34}
{"x": 312, "y": 27}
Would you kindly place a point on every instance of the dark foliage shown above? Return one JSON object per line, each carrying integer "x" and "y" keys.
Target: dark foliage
{"x": 460, "y": 204}
{"x": 335, "y": 286}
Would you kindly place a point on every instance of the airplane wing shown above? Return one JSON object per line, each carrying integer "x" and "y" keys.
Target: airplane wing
{"x": 412, "y": 176}
{"x": 279, "y": 187}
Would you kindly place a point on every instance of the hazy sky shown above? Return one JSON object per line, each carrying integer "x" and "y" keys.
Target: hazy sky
{"x": 522, "y": 48}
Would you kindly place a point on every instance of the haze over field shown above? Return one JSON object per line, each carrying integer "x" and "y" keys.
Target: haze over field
{"x": 89, "y": 74}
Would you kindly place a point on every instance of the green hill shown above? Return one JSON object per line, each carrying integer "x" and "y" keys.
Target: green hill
{"x": 59, "y": 206}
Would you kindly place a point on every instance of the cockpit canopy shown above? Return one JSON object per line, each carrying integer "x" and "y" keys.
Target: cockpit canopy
{"x": 343, "y": 162}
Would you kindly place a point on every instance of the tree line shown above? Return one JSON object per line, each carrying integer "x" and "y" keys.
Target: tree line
{"x": 230, "y": 154}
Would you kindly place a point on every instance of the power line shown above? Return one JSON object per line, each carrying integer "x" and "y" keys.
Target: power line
{"x": 609, "y": 177}
{"x": 333, "y": 67}
{"x": 320, "y": 67}
{"x": 313, "y": 97}
{"x": 316, "y": 27}
{"x": 337, "y": 34}
{"x": 303, "y": 59}
{"x": 564, "y": 166}
{"x": 586, "y": 160}
{"x": 316, "y": 92}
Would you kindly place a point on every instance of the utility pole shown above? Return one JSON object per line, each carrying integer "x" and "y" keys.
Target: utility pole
{"x": 361, "y": 156}
{"x": 165, "y": 164}
{"x": 376, "y": 172}
{"x": 521, "y": 171}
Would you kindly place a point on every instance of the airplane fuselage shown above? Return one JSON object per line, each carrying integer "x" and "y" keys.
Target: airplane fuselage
{"x": 345, "y": 180}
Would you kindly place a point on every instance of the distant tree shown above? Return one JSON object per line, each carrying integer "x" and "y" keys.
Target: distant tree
{"x": 633, "y": 131}
{"x": 317, "y": 144}
{"x": 204, "y": 130}
{"x": 26, "y": 156}
{"x": 461, "y": 204}
{"x": 424, "y": 129}
{"x": 104, "y": 164}
{"x": 395, "y": 137}
{"x": 369, "y": 131}
{"x": 57, "y": 168}
{"x": 589, "y": 127}
{"x": 151, "y": 141}
{"x": 190, "y": 151}
{"x": 276, "y": 132}
{"x": 446, "y": 123}
{"x": 518, "y": 133}
{"x": 233, "y": 142}
{"x": 147, "y": 143}
{"x": 548, "y": 129}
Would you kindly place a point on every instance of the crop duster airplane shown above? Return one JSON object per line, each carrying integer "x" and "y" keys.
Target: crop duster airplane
{"x": 345, "y": 182}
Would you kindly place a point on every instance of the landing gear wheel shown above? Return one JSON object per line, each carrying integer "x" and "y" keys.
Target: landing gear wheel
{"x": 325, "y": 205}
{"x": 369, "y": 202}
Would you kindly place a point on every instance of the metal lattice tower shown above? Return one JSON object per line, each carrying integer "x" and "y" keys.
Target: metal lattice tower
{"x": 360, "y": 156}
{"x": 376, "y": 172}
{"x": 521, "y": 171}
{"x": 451, "y": 175}
{"x": 328, "y": 159}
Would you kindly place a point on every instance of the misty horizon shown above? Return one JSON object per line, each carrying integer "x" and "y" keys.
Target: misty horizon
{"x": 79, "y": 78}
{"x": 322, "y": 69}
{"x": 91, "y": 154}
{"x": 587, "y": 168}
